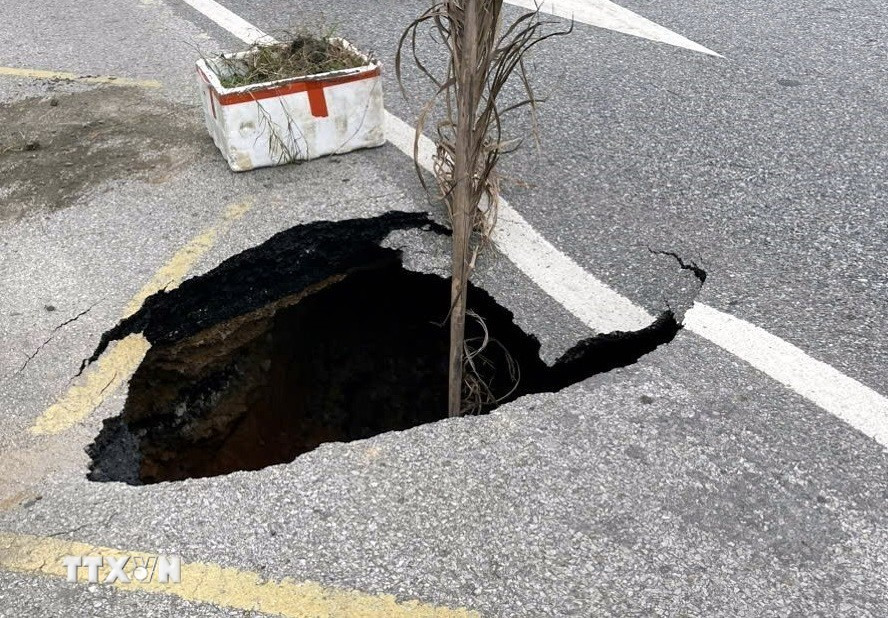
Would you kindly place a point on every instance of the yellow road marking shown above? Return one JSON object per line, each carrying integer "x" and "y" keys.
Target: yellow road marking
{"x": 90, "y": 79}
{"x": 81, "y": 399}
{"x": 221, "y": 586}
{"x": 172, "y": 273}
{"x": 118, "y": 364}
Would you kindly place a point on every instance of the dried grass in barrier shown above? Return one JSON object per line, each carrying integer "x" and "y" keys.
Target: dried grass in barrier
{"x": 483, "y": 55}
{"x": 303, "y": 54}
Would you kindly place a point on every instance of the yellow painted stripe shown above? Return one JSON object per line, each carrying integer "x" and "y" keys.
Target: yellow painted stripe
{"x": 119, "y": 363}
{"x": 90, "y": 79}
{"x": 80, "y": 400}
{"x": 173, "y": 272}
{"x": 221, "y": 586}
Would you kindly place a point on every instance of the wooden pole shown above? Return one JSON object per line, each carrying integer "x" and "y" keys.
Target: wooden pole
{"x": 462, "y": 203}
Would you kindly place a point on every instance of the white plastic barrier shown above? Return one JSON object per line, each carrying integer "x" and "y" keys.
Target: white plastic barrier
{"x": 287, "y": 120}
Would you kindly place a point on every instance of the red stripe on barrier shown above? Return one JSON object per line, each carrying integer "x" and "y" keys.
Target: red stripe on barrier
{"x": 318, "y": 104}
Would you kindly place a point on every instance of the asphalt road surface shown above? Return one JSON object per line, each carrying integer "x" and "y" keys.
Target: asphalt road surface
{"x": 689, "y": 483}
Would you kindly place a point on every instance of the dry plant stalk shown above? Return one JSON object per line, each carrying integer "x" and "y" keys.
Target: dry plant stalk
{"x": 482, "y": 58}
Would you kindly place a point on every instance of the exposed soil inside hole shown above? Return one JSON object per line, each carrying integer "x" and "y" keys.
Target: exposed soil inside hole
{"x": 354, "y": 347}
{"x": 56, "y": 148}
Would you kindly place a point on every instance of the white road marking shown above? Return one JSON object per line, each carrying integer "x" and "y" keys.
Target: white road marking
{"x": 603, "y": 310}
{"x": 231, "y": 22}
{"x": 840, "y": 395}
{"x": 598, "y": 306}
{"x": 606, "y": 14}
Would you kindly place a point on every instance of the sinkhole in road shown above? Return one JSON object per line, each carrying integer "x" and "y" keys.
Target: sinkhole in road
{"x": 318, "y": 335}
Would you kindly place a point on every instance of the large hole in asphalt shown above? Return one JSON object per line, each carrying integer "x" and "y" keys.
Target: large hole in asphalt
{"x": 318, "y": 335}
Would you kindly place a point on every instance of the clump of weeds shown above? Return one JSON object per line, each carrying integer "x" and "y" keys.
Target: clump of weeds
{"x": 303, "y": 53}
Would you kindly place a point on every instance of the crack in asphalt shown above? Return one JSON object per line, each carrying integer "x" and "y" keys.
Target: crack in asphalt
{"x": 53, "y": 333}
{"x": 698, "y": 271}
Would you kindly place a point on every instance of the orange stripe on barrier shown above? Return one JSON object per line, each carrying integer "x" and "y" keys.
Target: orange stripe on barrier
{"x": 317, "y": 102}
{"x": 307, "y": 85}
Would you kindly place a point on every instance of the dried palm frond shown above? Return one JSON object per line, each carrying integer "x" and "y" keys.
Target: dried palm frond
{"x": 469, "y": 137}
{"x": 480, "y": 372}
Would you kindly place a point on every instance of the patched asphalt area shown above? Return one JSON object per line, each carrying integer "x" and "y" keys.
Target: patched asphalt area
{"x": 55, "y": 148}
